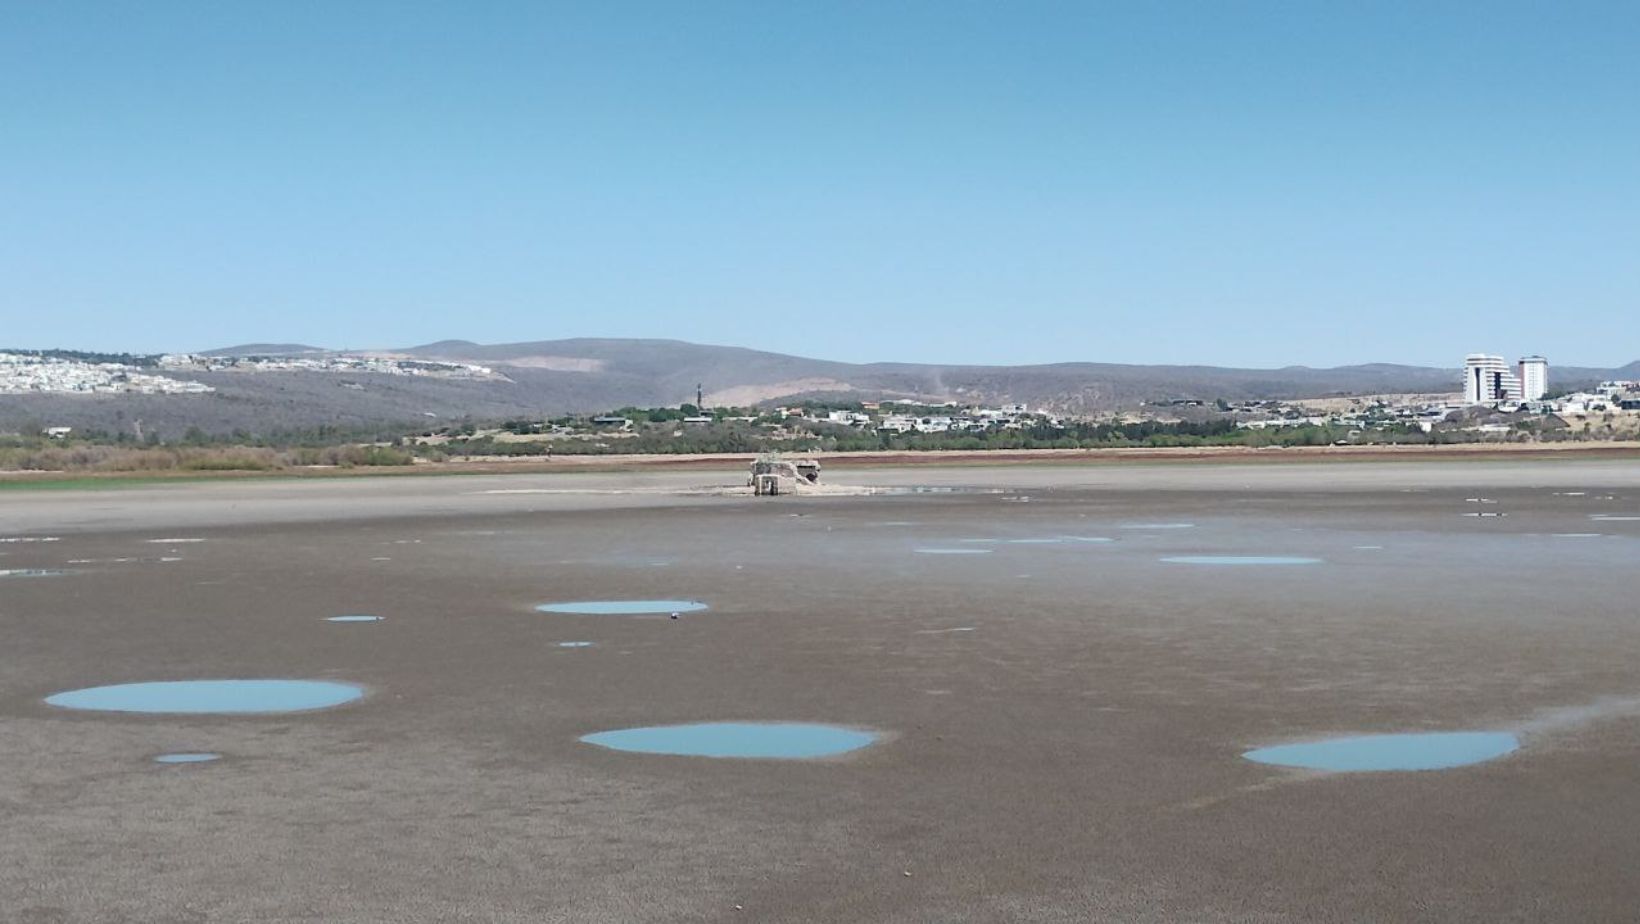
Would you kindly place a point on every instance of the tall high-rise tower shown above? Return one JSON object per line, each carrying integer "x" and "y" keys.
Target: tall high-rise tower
{"x": 1487, "y": 379}
{"x": 1534, "y": 378}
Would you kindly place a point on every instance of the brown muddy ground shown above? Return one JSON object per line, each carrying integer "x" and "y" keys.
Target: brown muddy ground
{"x": 1073, "y": 757}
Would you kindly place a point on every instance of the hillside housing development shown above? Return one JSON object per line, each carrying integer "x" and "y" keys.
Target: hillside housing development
{"x": 26, "y": 374}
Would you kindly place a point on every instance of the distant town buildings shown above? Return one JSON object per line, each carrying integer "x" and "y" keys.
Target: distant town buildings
{"x": 26, "y": 374}
{"x": 330, "y": 362}
{"x": 1487, "y": 379}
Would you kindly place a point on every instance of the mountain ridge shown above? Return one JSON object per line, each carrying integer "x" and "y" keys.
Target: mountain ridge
{"x": 546, "y": 378}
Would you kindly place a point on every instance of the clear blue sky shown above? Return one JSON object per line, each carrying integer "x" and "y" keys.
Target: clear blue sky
{"x": 1218, "y": 182}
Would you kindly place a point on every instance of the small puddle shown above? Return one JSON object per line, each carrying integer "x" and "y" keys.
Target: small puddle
{"x": 574, "y": 644}
{"x": 1241, "y": 560}
{"x": 623, "y": 607}
{"x": 1158, "y": 526}
{"x": 756, "y": 740}
{"x": 32, "y": 572}
{"x": 1419, "y": 751}
{"x": 199, "y": 697}
{"x": 1612, "y": 518}
{"x": 937, "y": 489}
{"x": 932, "y": 551}
{"x": 198, "y": 757}
{"x": 354, "y": 617}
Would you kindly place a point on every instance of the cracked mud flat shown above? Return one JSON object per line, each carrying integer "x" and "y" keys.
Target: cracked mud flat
{"x": 1062, "y": 747}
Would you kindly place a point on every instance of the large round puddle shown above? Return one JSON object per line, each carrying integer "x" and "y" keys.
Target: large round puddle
{"x": 623, "y": 607}
{"x": 1241, "y": 560}
{"x": 1423, "y": 751}
{"x": 756, "y": 740}
{"x": 198, "y": 697}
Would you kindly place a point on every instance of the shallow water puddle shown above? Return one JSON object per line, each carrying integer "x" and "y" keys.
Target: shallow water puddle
{"x": 757, "y": 740}
{"x": 191, "y": 757}
{"x": 1158, "y": 526}
{"x": 12, "y": 539}
{"x": 575, "y": 644}
{"x": 1419, "y": 751}
{"x": 1241, "y": 560}
{"x": 933, "y": 551}
{"x": 1612, "y": 518}
{"x": 623, "y": 607}
{"x": 354, "y": 617}
{"x": 31, "y": 572}
{"x": 200, "y": 697}
{"x": 190, "y": 540}
{"x": 1485, "y": 514}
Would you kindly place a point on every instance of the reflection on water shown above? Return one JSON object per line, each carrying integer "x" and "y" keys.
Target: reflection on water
{"x": 198, "y": 697}
{"x": 622, "y": 607}
{"x": 199, "y": 757}
{"x": 771, "y": 740}
{"x": 1241, "y": 560}
{"x": 1431, "y": 751}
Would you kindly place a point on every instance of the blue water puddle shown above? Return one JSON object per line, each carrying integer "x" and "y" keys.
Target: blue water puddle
{"x": 1241, "y": 560}
{"x": 196, "y": 697}
{"x": 197, "y": 757}
{"x": 932, "y": 551}
{"x": 623, "y": 607}
{"x": 1036, "y": 540}
{"x": 757, "y": 740}
{"x": 575, "y": 644}
{"x": 354, "y": 617}
{"x": 1422, "y": 751}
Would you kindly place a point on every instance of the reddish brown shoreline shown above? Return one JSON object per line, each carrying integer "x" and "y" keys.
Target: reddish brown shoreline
{"x": 662, "y": 461}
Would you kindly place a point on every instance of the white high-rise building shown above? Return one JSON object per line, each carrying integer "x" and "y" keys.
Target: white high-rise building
{"x": 1534, "y": 378}
{"x": 1487, "y": 379}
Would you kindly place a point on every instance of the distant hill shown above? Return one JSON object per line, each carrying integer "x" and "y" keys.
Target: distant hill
{"x": 266, "y": 349}
{"x": 553, "y": 377}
